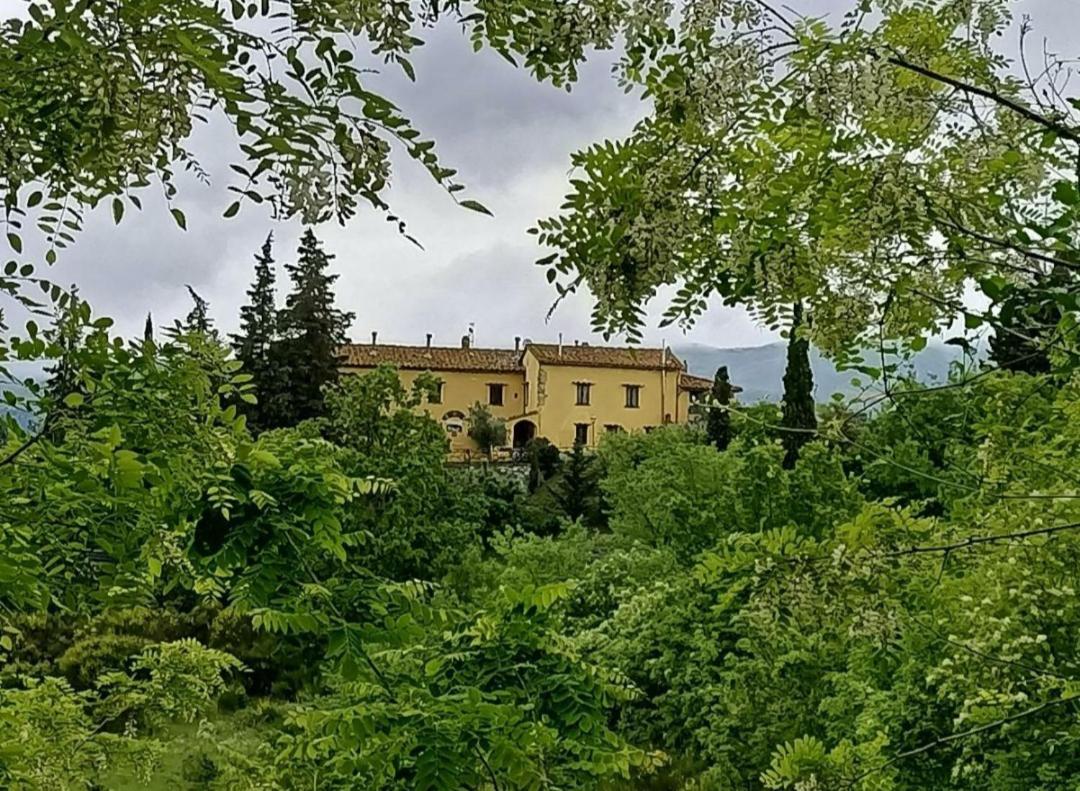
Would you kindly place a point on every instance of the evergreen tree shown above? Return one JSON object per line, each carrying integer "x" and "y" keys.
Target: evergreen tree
{"x": 198, "y": 320}
{"x": 312, "y": 331}
{"x": 148, "y": 329}
{"x": 578, "y": 491}
{"x": 718, "y": 424}
{"x": 254, "y": 344}
{"x": 799, "y": 418}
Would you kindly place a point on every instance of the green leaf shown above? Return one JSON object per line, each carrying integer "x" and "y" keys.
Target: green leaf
{"x": 181, "y": 220}
{"x": 232, "y": 210}
{"x": 1066, "y": 193}
{"x": 15, "y": 241}
{"x": 264, "y": 458}
{"x": 476, "y": 206}
{"x": 73, "y": 400}
{"x": 117, "y": 210}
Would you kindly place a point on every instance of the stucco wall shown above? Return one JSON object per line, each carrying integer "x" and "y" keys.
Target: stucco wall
{"x": 462, "y": 389}
{"x": 559, "y": 412}
{"x": 550, "y": 403}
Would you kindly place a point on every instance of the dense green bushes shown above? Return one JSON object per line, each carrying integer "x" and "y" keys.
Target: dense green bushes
{"x": 335, "y": 607}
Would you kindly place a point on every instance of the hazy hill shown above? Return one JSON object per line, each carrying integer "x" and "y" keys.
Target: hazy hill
{"x": 759, "y": 370}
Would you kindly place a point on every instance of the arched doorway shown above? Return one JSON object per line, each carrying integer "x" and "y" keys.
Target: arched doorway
{"x": 524, "y": 430}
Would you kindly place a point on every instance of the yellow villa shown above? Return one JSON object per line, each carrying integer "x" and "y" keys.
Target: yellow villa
{"x": 566, "y": 393}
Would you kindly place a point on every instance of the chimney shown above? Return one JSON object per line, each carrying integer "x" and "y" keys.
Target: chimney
{"x": 560, "y": 344}
{"x": 517, "y": 343}
{"x": 429, "y": 340}
{"x": 374, "y": 337}
{"x": 464, "y": 341}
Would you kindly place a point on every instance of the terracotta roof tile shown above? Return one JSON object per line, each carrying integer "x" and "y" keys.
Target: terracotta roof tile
{"x": 694, "y": 384}
{"x": 604, "y": 356}
{"x": 699, "y": 384}
{"x": 430, "y": 358}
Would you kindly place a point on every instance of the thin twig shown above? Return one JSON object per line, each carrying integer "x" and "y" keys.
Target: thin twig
{"x": 952, "y": 737}
{"x": 1049, "y": 123}
{"x": 977, "y": 540}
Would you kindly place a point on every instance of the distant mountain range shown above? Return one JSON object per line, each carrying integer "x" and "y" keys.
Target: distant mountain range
{"x": 759, "y": 370}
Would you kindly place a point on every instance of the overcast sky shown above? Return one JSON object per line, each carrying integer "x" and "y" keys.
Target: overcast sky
{"x": 510, "y": 139}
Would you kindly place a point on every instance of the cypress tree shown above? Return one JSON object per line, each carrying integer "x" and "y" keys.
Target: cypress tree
{"x": 148, "y": 329}
{"x": 799, "y": 418}
{"x": 254, "y": 343}
{"x": 312, "y": 332}
{"x": 718, "y": 424}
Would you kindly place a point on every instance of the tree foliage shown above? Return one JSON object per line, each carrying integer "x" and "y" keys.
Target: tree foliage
{"x": 788, "y": 159}
{"x": 718, "y": 418}
{"x": 486, "y": 430}
{"x": 312, "y": 330}
{"x": 799, "y": 419}
{"x": 254, "y": 343}
{"x": 330, "y": 605}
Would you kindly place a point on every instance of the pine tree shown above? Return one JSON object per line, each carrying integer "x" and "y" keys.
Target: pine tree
{"x": 312, "y": 331}
{"x": 255, "y": 343}
{"x": 718, "y": 424}
{"x": 799, "y": 418}
{"x": 148, "y": 329}
{"x": 578, "y": 492}
{"x": 198, "y": 320}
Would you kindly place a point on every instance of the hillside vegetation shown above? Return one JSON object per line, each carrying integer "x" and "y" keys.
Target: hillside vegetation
{"x": 338, "y": 609}
{"x": 225, "y": 566}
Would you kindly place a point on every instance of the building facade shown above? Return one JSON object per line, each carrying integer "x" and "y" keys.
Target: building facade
{"x": 566, "y": 393}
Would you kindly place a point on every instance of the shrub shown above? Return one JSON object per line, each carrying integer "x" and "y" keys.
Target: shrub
{"x": 486, "y": 430}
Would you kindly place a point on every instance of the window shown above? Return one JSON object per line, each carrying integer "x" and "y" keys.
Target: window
{"x": 612, "y": 428}
{"x": 633, "y": 396}
{"x": 495, "y": 394}
{"x": 581, "y": 433}
{"x": 436, "y": 397}
{"x": 583, "y": 392}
